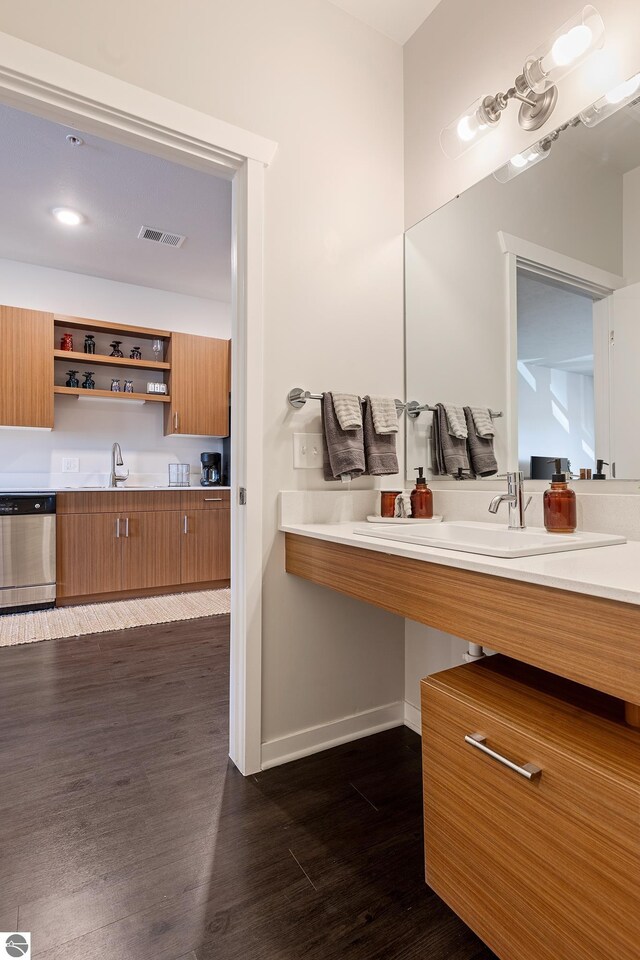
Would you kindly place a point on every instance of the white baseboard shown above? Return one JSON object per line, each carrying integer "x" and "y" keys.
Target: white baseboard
{"x": 412, "y": 718}
{"x": 326, "y": 735}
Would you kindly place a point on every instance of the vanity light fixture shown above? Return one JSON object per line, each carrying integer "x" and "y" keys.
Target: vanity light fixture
{"x": 528, "y": 158}
{"x": 534, "y": 87}
{"x": 70, "y": 218}
{"x": 617, "y": 98}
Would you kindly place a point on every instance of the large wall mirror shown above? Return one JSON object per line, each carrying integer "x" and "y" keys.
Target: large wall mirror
{"x": 523, "y": 299}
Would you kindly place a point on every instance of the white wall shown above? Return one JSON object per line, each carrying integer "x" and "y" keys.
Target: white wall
{"x": 329, "y": 90}
{"x": 465, "y": 50}
{"x": 86, "y": 429}
{"x": 631, "y": 181}
{"x": 555, "y": 416}
{"x": 461, "y": 52}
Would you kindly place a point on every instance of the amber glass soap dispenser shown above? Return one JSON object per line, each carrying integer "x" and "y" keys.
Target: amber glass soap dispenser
{"x": 559, "y": 504}
{"x": 421, "y": 498}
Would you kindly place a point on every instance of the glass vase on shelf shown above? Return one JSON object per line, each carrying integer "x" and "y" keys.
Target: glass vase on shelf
{"x": 88, "y": 382}
{"x": 73, "y": 379}
{"x": 66, "y": 342}
{"x": 115, "y": 348}
{"x": 158, "y": 349}
{"x": 115, "y": 385}
{"x": 136, "y": 353}
{"x": 89, "y": 343}
{"x": 128, "y": 386}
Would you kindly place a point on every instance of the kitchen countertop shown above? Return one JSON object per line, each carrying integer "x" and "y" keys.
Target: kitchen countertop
{"x": 612, "y": 572}
{"x": 131, "y": 489}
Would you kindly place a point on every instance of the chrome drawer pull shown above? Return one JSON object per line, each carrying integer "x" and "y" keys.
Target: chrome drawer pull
{"x": 529, "y": 771}
{"x": 213, "y": 499}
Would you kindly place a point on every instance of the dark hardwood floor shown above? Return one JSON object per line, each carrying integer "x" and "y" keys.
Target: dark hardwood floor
{"x": 126, "y": 834}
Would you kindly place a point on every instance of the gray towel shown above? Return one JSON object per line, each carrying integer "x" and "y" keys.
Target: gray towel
{"x": 385, "y": 415}
{"x": 342, "y": 450}
{"x": 483, "y": 421}
{"x": 456, "y": 421}
{"x": 451, "y": 452}
{"x": 380, "y": 451}
{"x": 483, "y": 459}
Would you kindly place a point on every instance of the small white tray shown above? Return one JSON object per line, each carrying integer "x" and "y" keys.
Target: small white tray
{"x": 377, "y": 519}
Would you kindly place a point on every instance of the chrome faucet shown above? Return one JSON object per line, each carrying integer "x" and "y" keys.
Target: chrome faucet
{"x": 515, "y": 498}
{"x": 116, "y": 461}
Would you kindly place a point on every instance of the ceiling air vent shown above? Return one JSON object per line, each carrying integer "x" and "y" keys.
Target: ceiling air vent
{"x": 161, "y": 236}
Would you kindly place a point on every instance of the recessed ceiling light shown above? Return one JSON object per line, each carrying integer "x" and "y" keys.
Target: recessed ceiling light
{"x": 70, "y": 218}
{"x": 74, "y": 140}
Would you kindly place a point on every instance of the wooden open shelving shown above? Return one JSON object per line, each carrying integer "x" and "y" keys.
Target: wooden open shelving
{"x": 102, "y": 326}
{"x": 112, "y": 395}
{"x": 99, "y": 359}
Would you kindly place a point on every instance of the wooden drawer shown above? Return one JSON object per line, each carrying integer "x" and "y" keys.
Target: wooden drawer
{"x": 207, "y": 498}
{"x": 544, "y": 868}
{"x": 118, "y": 501}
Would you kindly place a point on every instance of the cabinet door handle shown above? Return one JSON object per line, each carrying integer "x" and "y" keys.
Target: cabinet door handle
{"x": 126, "y": 527}
{"x": 529, "y": 771}
{"x": 186, "y": 523}
{"x": 175, "y": 420}
{"x": 213, "y": 499}
{"x": 117, "y": 528}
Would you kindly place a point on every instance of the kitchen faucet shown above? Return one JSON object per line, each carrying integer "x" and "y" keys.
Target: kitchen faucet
{"x": 515, "y": 498}
{"x": 116, "y": 461}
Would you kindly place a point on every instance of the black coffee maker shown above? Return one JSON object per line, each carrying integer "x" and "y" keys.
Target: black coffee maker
{"x": 211, "y": 467}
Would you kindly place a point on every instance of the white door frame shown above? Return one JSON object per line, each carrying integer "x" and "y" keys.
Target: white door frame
{"x": 550, "y": 263}
{"x": 56, "y": 88}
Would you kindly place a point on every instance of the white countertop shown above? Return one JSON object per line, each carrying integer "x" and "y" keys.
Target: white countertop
{"x": 133, "y": 488}
{"x": 612, "y": 572}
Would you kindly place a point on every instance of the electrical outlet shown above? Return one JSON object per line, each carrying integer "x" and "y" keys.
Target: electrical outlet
{"x": 70, "y": 464}
{"x": 307, "y": 451}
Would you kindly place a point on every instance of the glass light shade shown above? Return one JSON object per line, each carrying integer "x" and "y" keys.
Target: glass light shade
{"x": 567, "y": 49}
{"x": 467, "y": 129}
{"x": 619, "y": 97}
{"x": 521, "y": 162}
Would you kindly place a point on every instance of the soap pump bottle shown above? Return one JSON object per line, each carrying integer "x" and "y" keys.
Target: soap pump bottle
{"x": 421, "y": 498}
{"x": 559, "y": 504}
{"x": 599, "y": 474}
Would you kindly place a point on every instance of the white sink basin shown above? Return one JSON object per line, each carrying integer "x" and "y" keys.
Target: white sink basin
{"x": 489, "y": 539}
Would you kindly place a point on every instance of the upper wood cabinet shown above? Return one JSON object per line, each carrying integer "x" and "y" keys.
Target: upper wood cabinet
{"x": 198, "y": 386}
{"x": 26, "y": 368}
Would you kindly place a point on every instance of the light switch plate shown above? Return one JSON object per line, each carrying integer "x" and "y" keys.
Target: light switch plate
{"x": 70, "y": 464}
{"x": 307, "y": 451}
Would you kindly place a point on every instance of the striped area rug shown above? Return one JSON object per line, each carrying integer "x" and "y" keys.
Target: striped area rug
{"x": 117, "y": 615}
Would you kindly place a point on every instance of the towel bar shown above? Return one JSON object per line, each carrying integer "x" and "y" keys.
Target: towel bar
{"x": 414, "y": 409}
{"x": 298, "y": 397}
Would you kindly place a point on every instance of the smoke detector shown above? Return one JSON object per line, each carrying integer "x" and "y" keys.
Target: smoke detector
{"x": 161, "y": 236}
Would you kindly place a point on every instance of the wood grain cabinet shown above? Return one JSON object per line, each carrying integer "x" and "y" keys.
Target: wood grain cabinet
{"x": 166, "y": 544}
{"x": 535, "y": 844}
{"x": 26, "y": 370}
{"x": 198, "y": 386}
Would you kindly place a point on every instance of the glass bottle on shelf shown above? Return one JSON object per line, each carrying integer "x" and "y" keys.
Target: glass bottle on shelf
{"x": 88, "y": 382}
{"x": 73, "y": 379}
{"x": 128, "y": 386}
{"x": 115, "y": 348}
{"x": 136, "y": 353}
{"x": 66, "y": 342}
{"x": 115, "y": 385}
{"x": 158, "y": 349}
{"x": 89, "y": 343}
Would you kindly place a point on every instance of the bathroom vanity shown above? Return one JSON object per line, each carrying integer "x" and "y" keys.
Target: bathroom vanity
{"x": 531, "y": 760}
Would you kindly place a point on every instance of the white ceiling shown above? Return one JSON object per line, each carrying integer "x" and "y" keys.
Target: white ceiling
{"x": 398, "y": 19}
{"x": 555, "y": 326}
{"x": 118, "y": 190}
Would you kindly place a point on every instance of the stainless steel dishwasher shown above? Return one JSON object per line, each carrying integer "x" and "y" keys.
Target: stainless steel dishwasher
{"x": 27, "y": 551}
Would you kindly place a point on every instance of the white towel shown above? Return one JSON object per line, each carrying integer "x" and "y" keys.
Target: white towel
{"x": 385, "y": 415}
{"x": 483, "y": 421}
{"x": 348, "y": 410}
{"x": 456, "y": 421}
{"x": 403, "y": 505}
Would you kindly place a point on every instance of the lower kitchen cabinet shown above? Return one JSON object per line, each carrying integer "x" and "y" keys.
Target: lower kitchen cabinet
{"x": 206, "y": 545}
{"x": 532, "y": 811}
{"x": 88, "y": 555}
{"x": 162, "y": 546}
